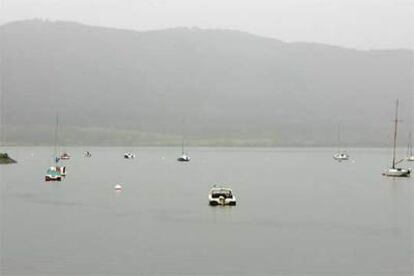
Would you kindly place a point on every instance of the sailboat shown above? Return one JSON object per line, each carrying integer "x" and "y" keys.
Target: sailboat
{"x": 340, "y": 155}
{"x": 65, "y": 156}
{"x": 394, "y": 171}
{"x": 183, "y": 157}
{"x": 410, "y": 155}
{"x": 56, "y": 172}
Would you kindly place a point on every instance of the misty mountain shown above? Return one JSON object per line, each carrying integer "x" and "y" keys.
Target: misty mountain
{"x": 114, "y": 86}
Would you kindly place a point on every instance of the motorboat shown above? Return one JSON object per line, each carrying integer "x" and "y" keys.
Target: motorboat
{"x": 341, "y": 156}
{"x": 87, "y": 154}
{"x": 129, "y": 155}
{"x": 65, "y": 156}
{"x": 53, "y": 174}
{"x": 221, "y": 196}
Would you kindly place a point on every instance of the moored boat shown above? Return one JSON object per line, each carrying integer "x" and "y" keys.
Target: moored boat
{"x": 53, "y": 174}
{"x": 341, "y": 156}
{"x": 129, "y": 155}
{"x": 183, "y": 157}
{"x": 221, "y": 196}
{"x": 65, "y": 156}
{"x": 394, "y": 171}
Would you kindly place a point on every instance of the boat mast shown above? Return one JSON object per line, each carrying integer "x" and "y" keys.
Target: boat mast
{"x": 183, "y": 135}
{"x": 395, "y": 133}
{"x": 338, "y": 138}
{"x": 56, "y": 136}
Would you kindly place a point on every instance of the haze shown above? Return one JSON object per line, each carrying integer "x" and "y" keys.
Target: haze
{"x": 369, "y": 24}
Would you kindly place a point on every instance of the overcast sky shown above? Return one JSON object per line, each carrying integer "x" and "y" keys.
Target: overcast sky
{"x": 363, "y": 24}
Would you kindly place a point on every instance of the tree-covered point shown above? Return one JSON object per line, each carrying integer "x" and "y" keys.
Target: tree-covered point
{"x": 5, "y": 159}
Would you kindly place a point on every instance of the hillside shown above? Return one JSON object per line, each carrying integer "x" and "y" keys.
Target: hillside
{"x": 218, "y": 87}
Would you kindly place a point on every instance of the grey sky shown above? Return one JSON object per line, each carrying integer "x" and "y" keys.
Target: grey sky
{"x": 352, "y": 23}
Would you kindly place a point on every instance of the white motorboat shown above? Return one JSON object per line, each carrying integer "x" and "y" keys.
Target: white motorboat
{"x": 341, "y": 156}
{"x": 129, "y": 155}
{"x": 65, "y": 156}
{"x": 221, "y": 196}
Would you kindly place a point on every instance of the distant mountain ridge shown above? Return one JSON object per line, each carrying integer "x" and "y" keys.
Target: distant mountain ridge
{"x": 217, "y": 87}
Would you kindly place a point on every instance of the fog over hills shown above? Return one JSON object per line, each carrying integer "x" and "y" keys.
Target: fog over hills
{"x": 218, "y": 87}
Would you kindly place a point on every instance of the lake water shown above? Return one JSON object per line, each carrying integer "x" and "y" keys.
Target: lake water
{"x": 299, "y": 212}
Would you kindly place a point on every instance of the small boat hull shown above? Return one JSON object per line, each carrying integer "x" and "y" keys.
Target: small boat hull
{"x": 410, "y": 158}
{"x": 65, "y": 156}
{"x": 52, "y": 178}
{"x": 184, "y": 158}
{"x": 217, "y": 203}
{"x": 341, "y": 157}
{"x": 180, "y": 159}
{"x": 397, "y": 172}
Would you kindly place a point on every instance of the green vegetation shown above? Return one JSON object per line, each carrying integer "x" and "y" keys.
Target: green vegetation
{"x": 5, "y": 159}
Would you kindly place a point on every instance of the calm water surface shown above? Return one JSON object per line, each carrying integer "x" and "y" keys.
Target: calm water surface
{"x": 299, "y": 213}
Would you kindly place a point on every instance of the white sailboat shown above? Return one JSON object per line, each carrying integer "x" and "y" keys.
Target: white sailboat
{"x": 340, "y": 155}
{"x": 410, "y": 155}
{"x": 395, "y": 171}
{"x": 56, "y": 172}
{"x": 183, "y": 157}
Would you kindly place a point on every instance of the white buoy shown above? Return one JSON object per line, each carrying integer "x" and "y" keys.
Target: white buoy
{"x": 118, "y": 187}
